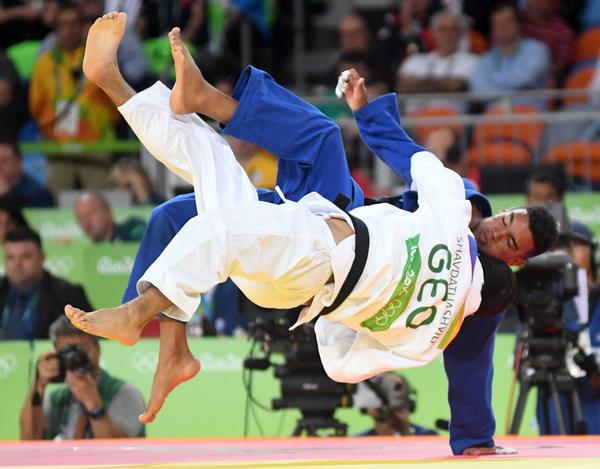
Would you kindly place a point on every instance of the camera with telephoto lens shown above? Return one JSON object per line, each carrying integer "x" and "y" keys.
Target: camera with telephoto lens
{"x": 304, "y": 385}
{"x": 71, "y": 358}
{"x": 545, "y": 283}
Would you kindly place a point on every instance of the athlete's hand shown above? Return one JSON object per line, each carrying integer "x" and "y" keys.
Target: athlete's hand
{"x": 488, "y": 451}
{"x": 353, "y": 86}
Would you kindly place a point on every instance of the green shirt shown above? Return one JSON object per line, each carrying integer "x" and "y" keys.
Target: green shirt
{"x": 131, "y": 229}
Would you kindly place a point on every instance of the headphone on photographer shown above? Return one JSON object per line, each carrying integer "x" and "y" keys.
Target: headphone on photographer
{"x": 392, "y": 391}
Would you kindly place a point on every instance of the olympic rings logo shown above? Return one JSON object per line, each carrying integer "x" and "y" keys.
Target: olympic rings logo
{"x": 144, "y": 362}
{"x": 60, "y": 265}
{"x": 389, "y": 312}
{"x": 8, "y": 364}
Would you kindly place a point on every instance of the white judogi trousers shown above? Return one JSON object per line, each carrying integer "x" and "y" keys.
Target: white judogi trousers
{"x": 279, "y": 255}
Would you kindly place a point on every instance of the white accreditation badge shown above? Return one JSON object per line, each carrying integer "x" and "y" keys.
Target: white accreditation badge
{"x": 67, "y": 113}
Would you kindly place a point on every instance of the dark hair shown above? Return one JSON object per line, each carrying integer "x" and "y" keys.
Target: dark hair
{"x": 502, "y": 4}
{"x": 62, "y": 326}
{"x": 499, "y": 288}
{"x": 548, "y": 177}
{"x": 543, "y": 227}
{"x": 12, "y": 204}
{"x": 67, "y": 5}
{"x": 23, "y": 233}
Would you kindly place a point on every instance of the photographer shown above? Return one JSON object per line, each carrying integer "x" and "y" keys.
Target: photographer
{"x": 389, "y": 400}
{"x": 91, "y": 404}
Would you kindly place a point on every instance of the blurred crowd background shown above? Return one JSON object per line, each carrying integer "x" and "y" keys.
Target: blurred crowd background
{"x": 505, "y": 93}
{"x": 485, "y": 84}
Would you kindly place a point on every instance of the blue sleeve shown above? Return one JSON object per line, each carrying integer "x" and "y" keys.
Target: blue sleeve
{"x": 468, "y": 361}
{"x": 379, "y": 126}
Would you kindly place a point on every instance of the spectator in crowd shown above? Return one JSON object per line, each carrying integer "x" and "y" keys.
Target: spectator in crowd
{"x": 544, "y": 187}
{"x": 67, "y": 107}
{"x": 129, "y": 174}
{"x": 448, "y": 145}
{"x": 22, "y": 20}
{"x": 11, "y": 215}
{"x": 130, "y": 56}
{"x": 389, "y": 400}
{"x": 478, "y": 11}
{"x": 446, "y": 68}
{"x": 15, "y": 183}
{"x": 514, "y": 63}
{"x": 13, "y": 101}
{"x": 90, "y": 404}
{"x": 405, "y": 30}
{"x": 543, "y": 23}
{"x": 355, "y": 39}
{"x": 30, "y": 297}
{"x": 95, "y": 218}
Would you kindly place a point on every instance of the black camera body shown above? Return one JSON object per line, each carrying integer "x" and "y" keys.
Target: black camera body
{"x": 304, "y": 384}
{"x": 72, "y": 358}
{"x": 545, "y": 283}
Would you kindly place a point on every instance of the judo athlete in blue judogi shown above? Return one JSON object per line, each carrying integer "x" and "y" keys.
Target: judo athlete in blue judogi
{"x": 311, "y": 158}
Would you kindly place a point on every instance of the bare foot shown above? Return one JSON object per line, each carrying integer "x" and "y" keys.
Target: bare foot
{"x": 170, "y": 373}
{"x": 120, "y": 323}
{"x": 104, "y": 37}
{"x": 190, "y": 85}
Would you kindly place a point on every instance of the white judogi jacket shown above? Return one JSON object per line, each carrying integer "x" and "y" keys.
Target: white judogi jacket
{"x": 405, "y": 308}
{"x": 418, "y": 284}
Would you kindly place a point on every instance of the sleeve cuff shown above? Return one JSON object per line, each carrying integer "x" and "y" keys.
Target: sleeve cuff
{"x": 387, "y": 103}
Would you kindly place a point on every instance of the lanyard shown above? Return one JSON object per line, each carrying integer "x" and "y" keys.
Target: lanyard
{"x": 57, "y": 54}
{"x": 24, "y": 321}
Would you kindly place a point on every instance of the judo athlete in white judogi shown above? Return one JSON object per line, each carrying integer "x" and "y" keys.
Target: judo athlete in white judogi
{"x": 420, "y": 279}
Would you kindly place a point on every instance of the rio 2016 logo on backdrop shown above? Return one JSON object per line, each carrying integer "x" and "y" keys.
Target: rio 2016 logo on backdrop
{"x": 8, "y": 364}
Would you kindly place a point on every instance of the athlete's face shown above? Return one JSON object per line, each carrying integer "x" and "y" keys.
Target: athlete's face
{"x": 506, "y": 236}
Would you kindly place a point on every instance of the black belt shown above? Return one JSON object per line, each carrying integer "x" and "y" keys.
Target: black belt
{"x": 361, "y": 252}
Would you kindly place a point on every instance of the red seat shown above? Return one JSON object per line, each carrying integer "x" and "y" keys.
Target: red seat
{"x": 580, "y": 159}
{"x": 579, "y": 80}
{"x": 497, "y": 154}
{"x": 528, "y": 133}
{"x": 422, "y": 131}
{"x": 588, "y": 45}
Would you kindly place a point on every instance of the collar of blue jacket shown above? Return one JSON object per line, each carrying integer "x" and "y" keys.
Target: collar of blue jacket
{"x": 410, "y": 203}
